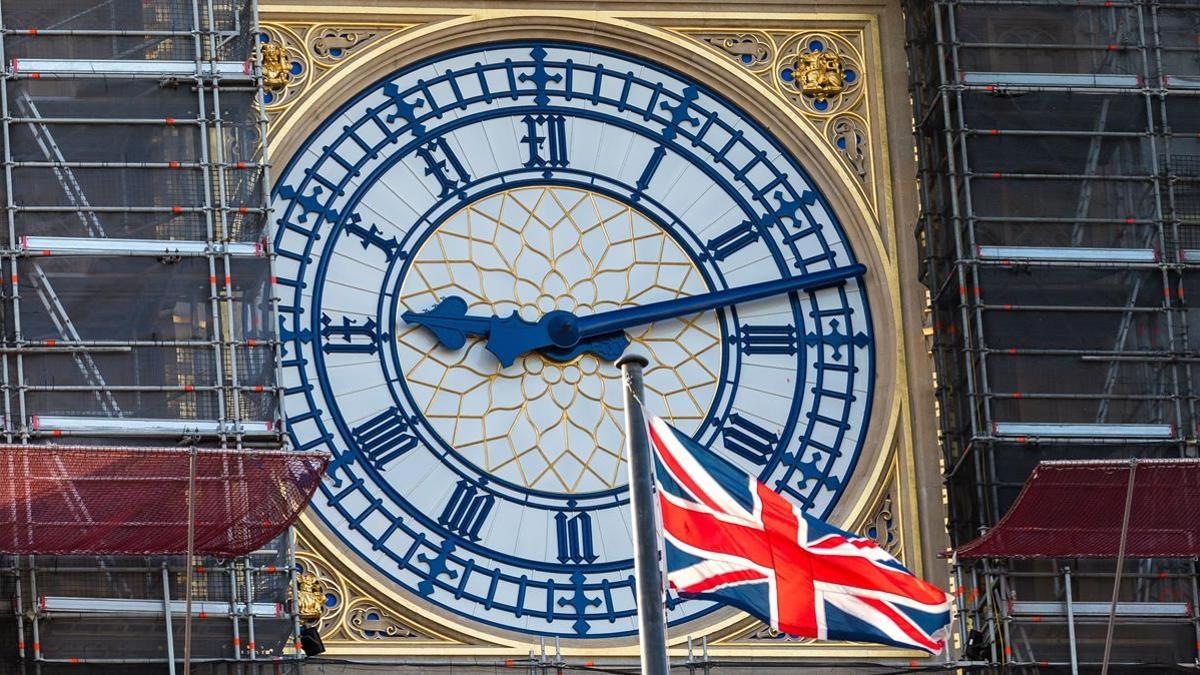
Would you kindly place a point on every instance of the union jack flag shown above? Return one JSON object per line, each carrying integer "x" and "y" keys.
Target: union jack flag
{"x": 732, "y": 539}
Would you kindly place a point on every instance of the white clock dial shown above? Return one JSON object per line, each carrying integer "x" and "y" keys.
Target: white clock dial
{"x": 541, "y": 178}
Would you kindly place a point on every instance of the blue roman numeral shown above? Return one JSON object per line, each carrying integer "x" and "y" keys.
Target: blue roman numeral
{"x": 768, "y": 340}
{"x": 443, "y": 165}
{"x": 371, "y": 237}
{"x": 574, "y": 538}
{"x": 749, "y": 440}
{"x": 355, "y": 338}
{"x": 554, "y": 140}
{"x": 384, "y": 438}
{"x": 733, "y": 240}
{"x": 467, "y": 510}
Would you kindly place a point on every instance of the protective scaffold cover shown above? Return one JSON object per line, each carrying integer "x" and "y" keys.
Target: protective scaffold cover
{"x": 58, "y": 499}
{"x": 1075, "y": 509}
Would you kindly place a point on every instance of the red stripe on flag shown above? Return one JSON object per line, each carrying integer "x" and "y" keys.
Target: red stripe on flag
{"x": 904, "y": 624}
{"x": 666, "y": 454}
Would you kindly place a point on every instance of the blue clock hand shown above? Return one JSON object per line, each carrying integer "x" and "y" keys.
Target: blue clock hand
{"x": 562, "y": 335}
{"x": 507, "y": 337}
{"x": 619, "y": 319}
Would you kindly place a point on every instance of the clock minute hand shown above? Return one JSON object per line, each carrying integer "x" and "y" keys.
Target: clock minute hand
{"x": 562, "y": 336}
{"x": 606, "y": 323}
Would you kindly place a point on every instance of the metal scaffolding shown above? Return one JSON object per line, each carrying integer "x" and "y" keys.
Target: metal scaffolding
{"x": 137, "y": 302}
{"x": 1059, "y": 163}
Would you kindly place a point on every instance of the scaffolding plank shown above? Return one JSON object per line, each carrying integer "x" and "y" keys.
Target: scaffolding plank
{"x": 1157, "y": 610}
{"x": 1068, "y": 254}
{"x": 1181, "y": 81}
{"x": 124, "y": 426}
{"x": 49, "y": 605}
{"x": 1081, "y": 430}
{"x": 154, "y": 248}
{"x": 232, "y": 70}
{"x": 1051, "y": 79}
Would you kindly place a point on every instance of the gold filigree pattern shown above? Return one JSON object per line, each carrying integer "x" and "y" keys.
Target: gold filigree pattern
{"x": 848, "y": 134}
{"x": 368, "y": 621}
{"x": 822, "y": 74}
{"x": 297, "y": 56}
{"x": 882, "y": 527}
{"x": 752, "y": 50}
{"x": 539, "y": 423}
{"x": 330, "y": 44}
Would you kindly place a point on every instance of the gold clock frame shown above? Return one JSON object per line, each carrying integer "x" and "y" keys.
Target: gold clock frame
{"x": 868, "y": 177}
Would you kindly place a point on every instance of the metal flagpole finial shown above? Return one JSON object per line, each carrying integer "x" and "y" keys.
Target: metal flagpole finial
{"x": 631, "y": 366}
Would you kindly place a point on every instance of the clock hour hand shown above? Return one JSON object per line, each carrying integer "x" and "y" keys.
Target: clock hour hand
{"x": 508, "y": 337}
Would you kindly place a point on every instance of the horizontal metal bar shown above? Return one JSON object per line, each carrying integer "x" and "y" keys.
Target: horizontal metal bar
{"x": 49, "y": 425}
{"x": 1068, "y": 253}
{"x": 110, "y": 165}
{"x": 1051, "y": 79}
{"x": 1060, "y": 132}
{"x": 1165, "y": 610}
{"x": 157, "y": 121}
{"x": 65, "y": 349}
{"x": 1082, "y": 430}
{"x": 1041, "y": 46}
{"x": 1072, "y": 396}
{"x": 53, "y": 604}
{"x": 1017, "y": 175}
{"x": 232, "y": 70}
{"x": 1037, "y": 220}
{"x": 180, "y": 569}
{"x": 135, "y": 209}
{"x": 184, "y": 388}
{"x": 153, "y": 248}
{"x": 1070, "y": 308}
{"x": 68, "y": 345}
{"x": 98, "y": 32}
{"x": 1064, "y": 264}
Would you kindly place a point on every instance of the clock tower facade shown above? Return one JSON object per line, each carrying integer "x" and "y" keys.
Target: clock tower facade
{"x": 440, "y": 170}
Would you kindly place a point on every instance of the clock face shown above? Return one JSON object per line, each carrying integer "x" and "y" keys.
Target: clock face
{"x": 530, "y": 178}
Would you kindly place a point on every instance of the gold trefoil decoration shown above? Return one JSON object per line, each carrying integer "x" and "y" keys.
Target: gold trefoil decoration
{"x": 820, "y": 74}
{"x": 310, "y": 597}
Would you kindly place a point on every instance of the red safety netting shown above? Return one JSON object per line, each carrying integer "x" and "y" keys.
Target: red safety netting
{"x": 1074, "y": 509}
{"x": 117, "y": 500}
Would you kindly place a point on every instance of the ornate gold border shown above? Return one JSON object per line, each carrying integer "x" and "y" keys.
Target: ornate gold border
{"x": 675, "y": 38}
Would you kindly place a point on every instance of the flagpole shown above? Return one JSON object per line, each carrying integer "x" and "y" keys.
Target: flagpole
{"x": 652, "y": 623}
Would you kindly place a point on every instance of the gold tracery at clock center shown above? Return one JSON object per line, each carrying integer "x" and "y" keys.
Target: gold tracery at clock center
{"x": 538, "y": 423}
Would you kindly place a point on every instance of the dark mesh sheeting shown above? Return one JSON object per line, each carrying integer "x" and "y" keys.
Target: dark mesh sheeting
{"x": 102, "y": 500}
{"x": 1074, "y": 509}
